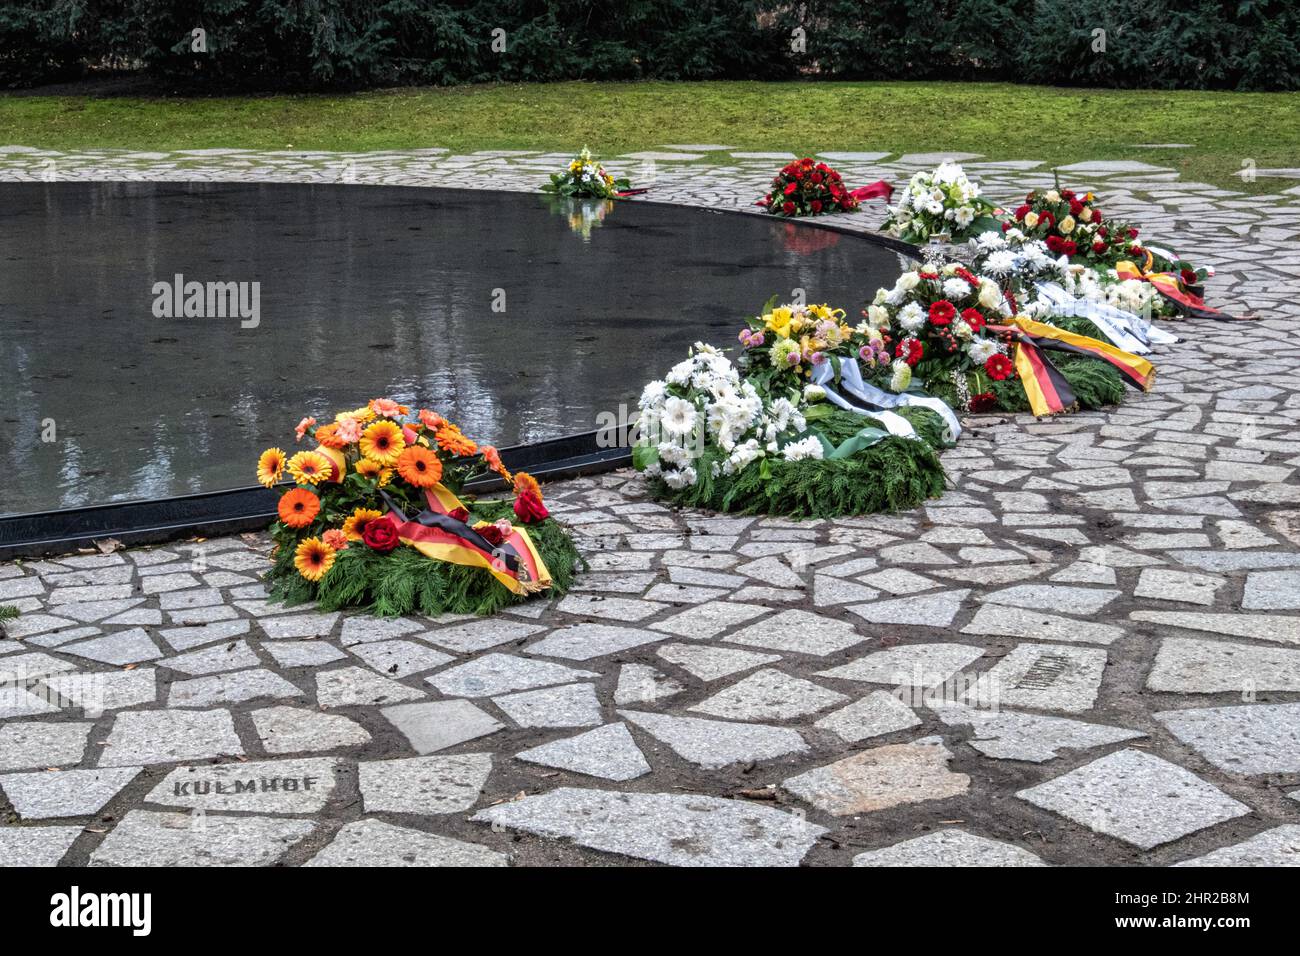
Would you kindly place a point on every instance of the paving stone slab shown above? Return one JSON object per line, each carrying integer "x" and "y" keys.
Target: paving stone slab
{"x": 270, "y": 786}
{"x": 711, "y": 663}
{"x": 1136, "y": 797}
{"x": 1009, "y": 735}
{"x": 880, "y": 778}
{"x": 437, "y": 725}
{"x": 713, "y": 744}
{"x": 400, "y": 658}
{"x": 35, "y": 846}
{"x": 494, "y": 674}
{"x": 929, "y": 610}
{"x": 1279, "y": 846}
{"x": 98, "y": 692}
{"x": 1044, "y": 677}
{"x": 643, "y": 684}
{"x": 149, "y": 838}
{"x": 709, "y": 620}
{"x": 996, "y": 620}
{"x": 880, "y": 712}
{"x": 481, "y": 634}
{"x": 676, "y": 829}
{"x": 67, "y": 793}
{"x": 799, "y": 631}
{"x": 289, "y": 730}
{"x": 368, "y": 843}
{"x": 145, "y": 737}
{"x": 769, "y": 694}
{"x": 29, "y": 745}
{"x": 212, "y": 660}
{"x": 607, "y": 752}
{"x": 569, "y": 705}
{"x": 909, "y": 665}
{"x": 1284, "y": 629}
{"x": 424, "y": 785}
{"x": 303, "y": 653}
{"x": 584, "y": 642}
{"x": 949, "y": 848}
{"x": 1193, "y": 666}
{"x": 1272, "y": 591}
{"x": 358, "y": 686}
{"x": 231, "y": 688}
{"x": 1250, "y": 739}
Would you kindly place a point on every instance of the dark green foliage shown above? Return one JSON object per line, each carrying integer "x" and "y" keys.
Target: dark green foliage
{"x": 7, "y": 611}
{"x": 406, "y": 582}
{"x": 354, "y": 44}
{"x": 893, "y": 474}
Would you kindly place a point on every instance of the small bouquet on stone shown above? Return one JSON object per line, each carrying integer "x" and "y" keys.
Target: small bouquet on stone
{"x": 373, "y": 518}
{"x": 808, "y": 188}
{"x": 586, "y": 179}
{"x": 942, "y": 203}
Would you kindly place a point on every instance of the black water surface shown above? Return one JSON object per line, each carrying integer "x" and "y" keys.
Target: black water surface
{"x": 364, "y": 292}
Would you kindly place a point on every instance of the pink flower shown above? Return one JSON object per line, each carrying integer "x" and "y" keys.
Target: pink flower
{"x": 349, "y": 430}
{"x": 335, "y": 538}
{"x": 431, "y": 419}
{"x": 757, "y": 339}
{"x": 303, "y": 425}
{"x": 386, "y": 407}
{"x": 408, "y": 434}
{"x": 817, "y": 358}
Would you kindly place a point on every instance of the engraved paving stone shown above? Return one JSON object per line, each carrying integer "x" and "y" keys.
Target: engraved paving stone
{"x": 1045, "y": 677}
{"x": 273, "y": 786}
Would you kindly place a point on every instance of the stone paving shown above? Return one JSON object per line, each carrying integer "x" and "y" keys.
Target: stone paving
{"x": 1086, "y": 652}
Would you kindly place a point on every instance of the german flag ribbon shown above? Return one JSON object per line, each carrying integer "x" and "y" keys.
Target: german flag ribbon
{"x": 1172, "y": 287}
{"x": 1048, "y": 390}
{"x": 441, "y": 536}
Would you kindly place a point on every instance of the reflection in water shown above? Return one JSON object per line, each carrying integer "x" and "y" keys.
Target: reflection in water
{"x": 583, "y": 215}
{"x": 365, "y": 291}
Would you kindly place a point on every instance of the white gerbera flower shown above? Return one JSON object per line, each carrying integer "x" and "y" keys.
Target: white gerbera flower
{"x": 678, "y": 416}
{"x": 981, "y": 350}
{"x": 955, "y": 288}
{"x": 911, "y": 316}
{"x": 810, "y": 447}
{"x": 652, "y": 395}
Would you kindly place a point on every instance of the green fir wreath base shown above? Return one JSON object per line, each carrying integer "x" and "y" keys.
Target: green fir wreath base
{"x": 406, "y": 582}
{"x": 891, "y": 475}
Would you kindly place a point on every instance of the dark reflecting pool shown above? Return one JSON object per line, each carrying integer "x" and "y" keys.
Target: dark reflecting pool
{"x": 520, "y": 320}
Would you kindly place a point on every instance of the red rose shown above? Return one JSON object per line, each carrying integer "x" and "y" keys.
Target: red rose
{"x": 492, "y": 534}
{"x": 460, "y": 514}
{"x": 1047, "y": 220}
{"x": 1096, "y": 215}
{"x": 529, "y": 508}
{"x": 1022, "y": 212}
{"x": 1053, "y": 243}
{"x": 941, "y": 312}
{"x": 1132, "y": 233}
{"x": 1099, "y": 247}
{"x": 983, "y": 402}
{"x": 788, "y": 208}
{"x": 790, "y": 187}
{"x": 1188, "y": 277}
{"x": 973, "y": 318}
{"x": 817, "y": 177}
{"x": 1069, "y": 247}
{"x": 1068, "y": 193}
{"x": 767, "y": 200}
{"x": 1076, "y": 207}
{"x": 816, "y": 205}
{"x": 1006, "y": 227}
{"x": 1102, "y": 233}
{"x": 380, "y": 535}
{"x": 998, "y": 367}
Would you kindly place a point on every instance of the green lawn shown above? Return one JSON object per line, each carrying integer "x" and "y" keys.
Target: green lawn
{"x": 1000, "y": 121}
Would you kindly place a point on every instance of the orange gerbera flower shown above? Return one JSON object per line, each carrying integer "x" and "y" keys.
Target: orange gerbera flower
{"x": 299, "y": 508}
{"x": 367, "y": 468}
{"x": 420, "y": 467}
{"x": 526, "y": 484}
{"x": 313, "y": 559}
{"x": 361, "y": 415}
{"x": 356, "y": 522}
{"x": 382, "y": 442}
{"x": 335, "y": 538}
{"x": 270, "y": 466}
{"x": 310, "y": 467}
{"x": 451, "y": 440}
{"x": 493, "y": 459}
{"x": 328, "y": 435}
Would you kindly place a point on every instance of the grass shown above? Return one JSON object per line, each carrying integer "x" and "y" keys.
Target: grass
{"x": 999, "y": 121}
